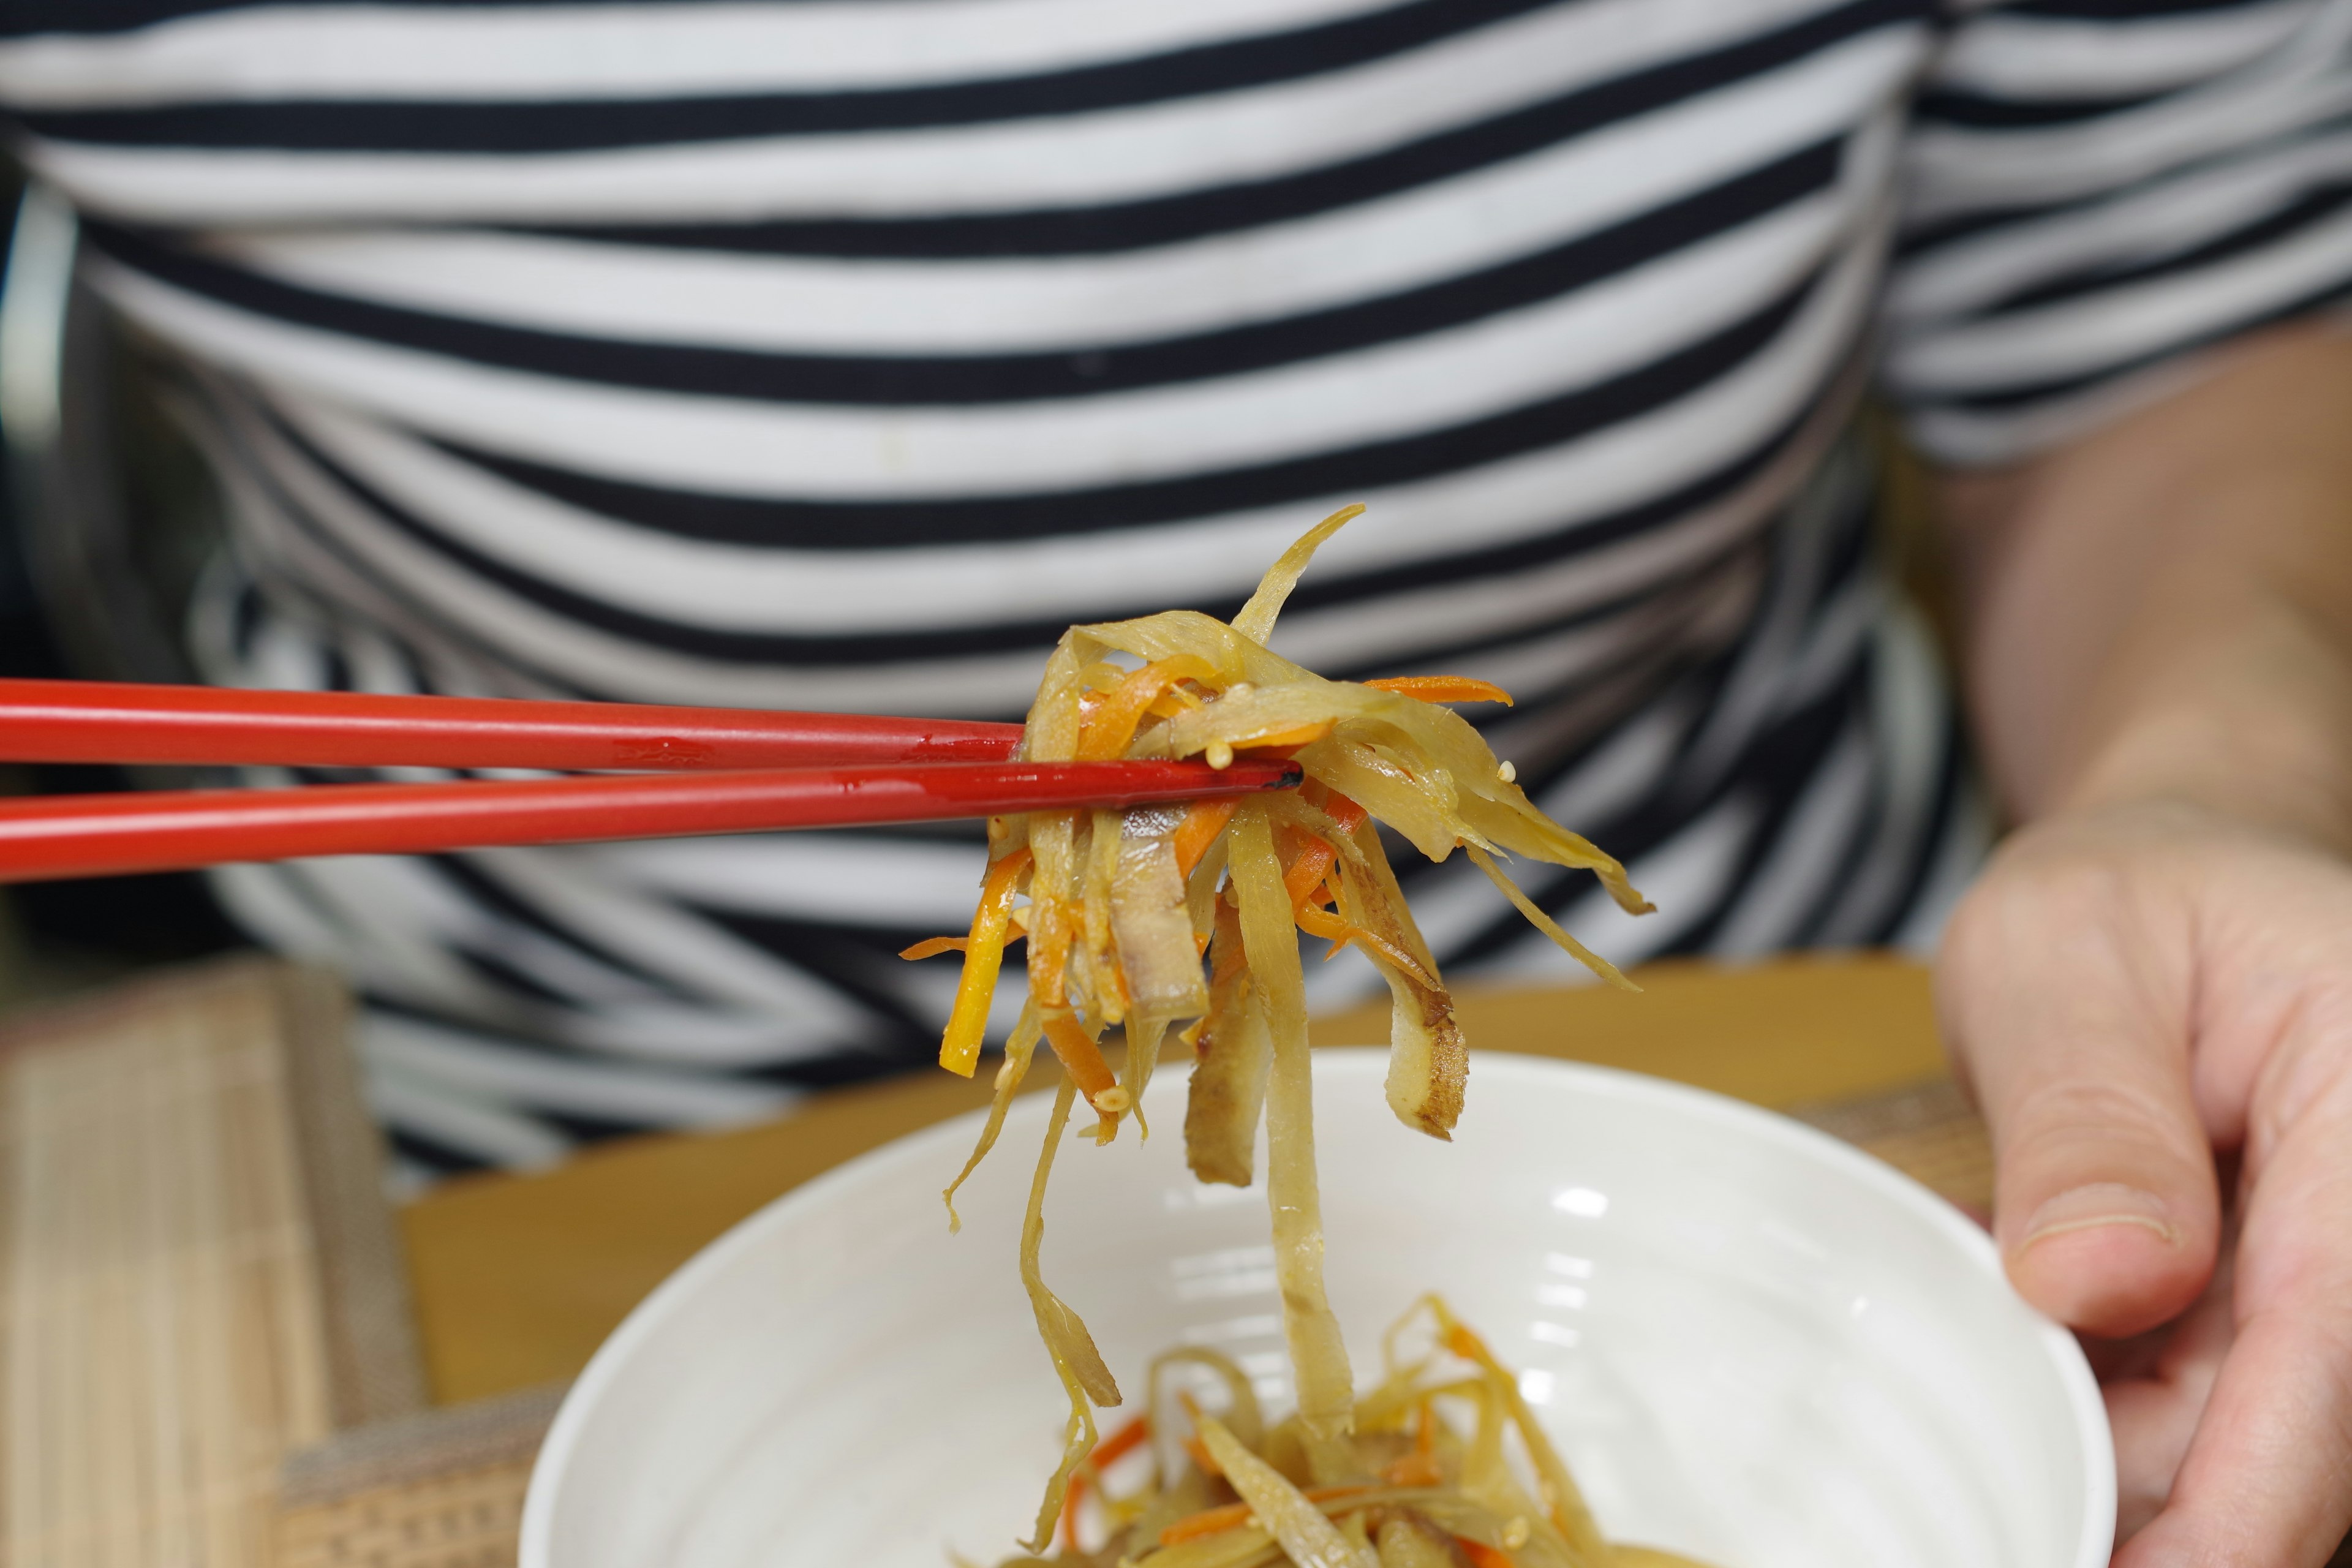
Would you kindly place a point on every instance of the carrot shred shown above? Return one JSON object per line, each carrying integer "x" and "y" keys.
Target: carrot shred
{"x": 1331, "y": 928}
{"x": 1081, "y": 1057}
{"x": 933, "y": 946}
{"x": 1443, "y": 689}
{"x": 1121, "y": 1442}
{"x": 1414, "y": 1470}
{"x": 1313, "y": 861}
{"x": 1049, "y": 951}
{"x": 1068, "y": 1528}
{"x": 1199, "y": 830}
{"x": 1231, "y": 1515}
{"x": 1324, "y": 898}
{"x": 983, "y": 956}
{"x": 1482, "y": 1555}
{"x": 1108, "y": 726}
{"x": 1208, "y": 1522}
{"x": 1200, "y": 1453}
{"x": 1342, "y": 810}
{"x": 1305, "y": 873}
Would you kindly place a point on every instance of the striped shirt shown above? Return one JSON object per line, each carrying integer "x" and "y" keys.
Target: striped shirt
{"x": 825, "y": 354}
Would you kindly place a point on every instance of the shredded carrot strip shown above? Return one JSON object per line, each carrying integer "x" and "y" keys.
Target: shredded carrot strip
{"x": 1343, "y": 811}
{"x": 1231, "y": 1515}
{"x": 1193, "y": 1444}
{"x": 1049, "y": 951}
{"x": 1482, "y": 1555}
{"x": 1121, "y": 1442}
{"x": 1208, "y": 1522}
{"x": 1331, "y": 928}
{"x": 1068, "y": 1529}
{"x": 933, "y": 946}
{"x": 1317, "y": 920}
{"x": 982, "y": 957}
{"x": 1443, "y": 689}
{"x": 1313, "y": 861}
{"x": 1081, "y": 1057}
{"x": 1108, "y": 726}
{"x": 1305, "y": 873}
{"x": 1199, "y": 830}
{"x": 1230, "y": 960}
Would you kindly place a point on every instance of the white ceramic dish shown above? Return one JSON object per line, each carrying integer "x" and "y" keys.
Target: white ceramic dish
{"x": 1755, "y": 1345}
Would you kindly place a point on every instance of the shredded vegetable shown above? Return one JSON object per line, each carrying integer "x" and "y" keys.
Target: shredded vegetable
{"x": 1122, "y": 911}
{"x": 1429, "y": 1480}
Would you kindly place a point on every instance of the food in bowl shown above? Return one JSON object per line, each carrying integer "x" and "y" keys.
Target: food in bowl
{"x": 1240, "y": 1494}
{"x": 1122, "y": 907}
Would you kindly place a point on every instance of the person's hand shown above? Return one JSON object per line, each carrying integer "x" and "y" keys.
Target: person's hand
{"x": 2153, "y": 1006}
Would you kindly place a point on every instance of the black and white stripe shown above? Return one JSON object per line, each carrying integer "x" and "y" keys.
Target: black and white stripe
{"x": 836, "y": 355}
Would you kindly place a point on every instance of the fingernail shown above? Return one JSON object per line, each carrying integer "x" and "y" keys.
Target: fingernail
{"x": 2098, "y": 1204}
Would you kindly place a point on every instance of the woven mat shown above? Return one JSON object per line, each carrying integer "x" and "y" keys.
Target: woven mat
{"x": 440, "y": 1489}
{"x": 200, "y": 1271}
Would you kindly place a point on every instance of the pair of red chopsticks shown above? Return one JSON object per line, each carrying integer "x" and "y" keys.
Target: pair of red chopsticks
{"x": 704, "y": 770}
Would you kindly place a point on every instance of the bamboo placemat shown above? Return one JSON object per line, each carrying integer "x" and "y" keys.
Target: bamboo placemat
{"x": 439, "y": 1489}
{"x": 199, "y": 1273}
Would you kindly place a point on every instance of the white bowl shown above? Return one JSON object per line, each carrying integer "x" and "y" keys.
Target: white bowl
{"x": 1754, "y": 1344}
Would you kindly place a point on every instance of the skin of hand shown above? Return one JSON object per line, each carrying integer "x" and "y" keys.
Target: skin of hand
{"x": 2149, "y": 989}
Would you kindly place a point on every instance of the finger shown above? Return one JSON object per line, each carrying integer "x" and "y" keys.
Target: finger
{"x": 2267, "y": 1479}
{"x": 2153, "y": 1410}
{"x": 2070, "y": 1017}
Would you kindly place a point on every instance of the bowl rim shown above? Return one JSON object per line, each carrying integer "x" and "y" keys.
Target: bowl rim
{"x": 2060, "y": 1349}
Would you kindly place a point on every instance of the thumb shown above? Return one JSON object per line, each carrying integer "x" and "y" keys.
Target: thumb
{"x": 2074, "y": 1036}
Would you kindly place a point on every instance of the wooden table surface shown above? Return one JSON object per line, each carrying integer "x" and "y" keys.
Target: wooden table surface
{"x": 518, "y": 1278}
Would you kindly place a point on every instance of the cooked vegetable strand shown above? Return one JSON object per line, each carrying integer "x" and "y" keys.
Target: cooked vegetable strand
{"x": 1075, "y": 1360}
{"x": 1199, "y": 828}
{"x": 1443, "y": 689}
{"x": 1018, "y": 1050}
{"x": 983, "y": 956}
{"x": 1327, "y": 1400}
{"x": 1543, "y": 922}
{"x": 1255, "y": 620}
{"x": 1307, "y": 1536}
{"x": 1122, "y": 907}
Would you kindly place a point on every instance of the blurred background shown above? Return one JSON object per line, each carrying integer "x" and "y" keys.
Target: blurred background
{"x": 98, "y": 549}
{"x": 107, "y": 518}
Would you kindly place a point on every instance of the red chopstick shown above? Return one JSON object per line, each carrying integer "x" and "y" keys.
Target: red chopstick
{"x": 47, "y": 837}
{"x": 99, "y": 722}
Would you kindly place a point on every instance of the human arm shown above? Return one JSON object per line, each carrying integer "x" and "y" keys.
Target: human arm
{"x": 2156, "y": 968}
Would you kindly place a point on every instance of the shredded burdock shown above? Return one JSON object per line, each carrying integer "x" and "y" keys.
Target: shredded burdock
{"x": 1427, "y": 1477}
{"x": 1119, "y": 909}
